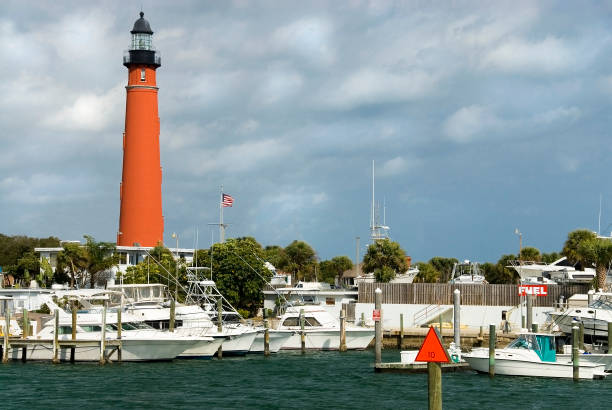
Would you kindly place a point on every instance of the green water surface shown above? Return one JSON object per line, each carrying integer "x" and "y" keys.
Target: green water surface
{"x": 287, "y": 380}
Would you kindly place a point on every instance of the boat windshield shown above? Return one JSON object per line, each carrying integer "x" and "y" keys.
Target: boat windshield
{"x": 528, "y": 342}
{"x": 604, "y": 302}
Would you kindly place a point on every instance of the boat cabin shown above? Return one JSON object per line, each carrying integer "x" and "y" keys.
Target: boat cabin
{"x": 541, "y": 343}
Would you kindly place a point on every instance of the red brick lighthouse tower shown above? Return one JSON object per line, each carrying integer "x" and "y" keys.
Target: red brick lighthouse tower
{"x": 140, "y": 220}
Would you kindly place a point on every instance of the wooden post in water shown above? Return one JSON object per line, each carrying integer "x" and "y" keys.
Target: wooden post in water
{"x": 590, "y": 294}
{"x": 575, "y": 355}
{"x": 581, "y": 335}
{"x": 119, "y": 328}
{"x": 103, "y": 336}
{"x": 266, "y": 334}
{"x": 362, "y": 319}
{"x": 220, "y": 325}
{"x": 492, "y": 337}
{"x": 378, "y": 325}
{"x": 25, "y": 330}
{"x": 529, "y": 311}
{"x": 302, "y": 334}
{"x": 342, "y": 346}
{"x": 172, "y": 315}
{"x": 401, "y": 335}
{"x": 609, "y": 337}
{"x": 7, "y": 327}
{"x": 534, "y": 327}
{"x": 434, "y": 385}
{"x": 56, "y": 337}
{"x": 74, "y": 326}
{"x": 457, "y": 317}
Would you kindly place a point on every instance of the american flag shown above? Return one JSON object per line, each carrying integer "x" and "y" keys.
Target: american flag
{"x": 227, "y": 200}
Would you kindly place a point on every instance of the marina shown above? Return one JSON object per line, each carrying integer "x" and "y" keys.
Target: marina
{"x": 288, "y": 380}
{"x": 286, "y": 107}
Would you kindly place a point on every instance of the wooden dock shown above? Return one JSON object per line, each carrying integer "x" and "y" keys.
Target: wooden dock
{"x": 418, "y": 367}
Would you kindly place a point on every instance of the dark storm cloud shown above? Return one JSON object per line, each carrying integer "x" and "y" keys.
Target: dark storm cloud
{"x": 481, "y": 117}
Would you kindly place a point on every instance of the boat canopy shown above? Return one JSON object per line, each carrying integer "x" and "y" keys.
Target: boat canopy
{"x": 542, "y": 344}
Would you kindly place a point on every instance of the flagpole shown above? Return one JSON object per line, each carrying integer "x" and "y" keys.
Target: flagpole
{"x": 221, "y": 226}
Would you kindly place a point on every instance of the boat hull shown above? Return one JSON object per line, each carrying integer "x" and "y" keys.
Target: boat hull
{"x": 318, "y": 339}
{"x": 509, "y": 367}
{"x": 277, "y": 341}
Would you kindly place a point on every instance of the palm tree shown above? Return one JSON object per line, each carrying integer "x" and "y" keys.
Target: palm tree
{"x": 597, "y": 251}
{"x": 570, "y": 248}
{"x": 100, "y": 257}
{"x": 71, "y": 259}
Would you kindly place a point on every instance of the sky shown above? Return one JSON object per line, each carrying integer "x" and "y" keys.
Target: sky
{"x": 482, "y": 117}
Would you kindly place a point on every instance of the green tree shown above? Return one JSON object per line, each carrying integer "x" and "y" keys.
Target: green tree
{"x": 444, "y": 266}
{"x": 333, "y": 268}
{"x": 301, "y": 260}
{"x": 72, "y": 260}
{"x": 159, "y": 267}
{"x": 551, "y": 257}
{"x": 570, "y": 248}
{"x": 238, "y": 271}
{"x": 13, "y": 248}
{"x": 529, "y": 253}
{"x": 427, "y": 273}
{"x": 597, "y": 251}
{"x": 276, "y": 256}
{"x": 385, "y": 253}
{"x": 101, "y": 256}
{"x": 500, "y": 272}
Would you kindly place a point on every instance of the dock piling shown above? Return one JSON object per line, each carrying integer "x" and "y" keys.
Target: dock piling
{"x": 103, "y": 336}
{"x": 362, "y": 319}
{"x": 25, "y": 329}
{"x": 575, "y": 355}
{"x": 266, "y": 334}
{"x": 590, "y": 294}
{"x": 609, "y": 337}
{"x": 581, "y": 335}
{"x": 492, "y": 338}
{"x": 302, "y": 334}
{"x": 56, "y": 337}
{"x": 220, "y": 325}
{"x": 529, "y": 311}
{"x": 534, "y": 327}
{"x": 7, "y": 327}
{"x": 119, "y": 329}
{"x": 378, "y": 325}
{"x": 434, "y": 385}
{"x": 74, "y": 325}
{"x": 456, "y": 317}
{"x": 342, "y": 346}
{"x": 401, "y": 335}
{"x": 172, "y": 315}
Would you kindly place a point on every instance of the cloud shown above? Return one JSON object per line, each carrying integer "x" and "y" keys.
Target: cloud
{"x": 397, "y": 166}
{"x": 378, "y": 86}
{"x": 309, "y": 38}
{"x": 568, "y": 114}
{"x": 469, "y": 123}
{"x": 550, "y": 55}
{"x": 89, "y": 112}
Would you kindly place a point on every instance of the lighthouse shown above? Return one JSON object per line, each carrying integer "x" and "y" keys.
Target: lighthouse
{"x": 140, "y": 220}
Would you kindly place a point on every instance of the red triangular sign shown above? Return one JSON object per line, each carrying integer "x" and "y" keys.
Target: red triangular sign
{"x": 432, "y": 350}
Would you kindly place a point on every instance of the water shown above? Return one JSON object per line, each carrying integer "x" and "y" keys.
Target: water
{"x": 286, "y": 380}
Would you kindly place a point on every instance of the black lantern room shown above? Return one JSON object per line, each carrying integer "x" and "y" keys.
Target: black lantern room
{"x": 141, "y": 50}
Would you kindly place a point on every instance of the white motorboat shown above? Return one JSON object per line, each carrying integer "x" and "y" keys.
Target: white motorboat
{"x": 531, "y": 354}
{"x": 139, "y": 342}
{"x": 587, "y": 357}
{"x": 150, "y": 304}
{"x": 467, "y": 272}
{"x": 595, "y": 317}
{"x": 560, "y": 271}
{"x": 321, "y": 330}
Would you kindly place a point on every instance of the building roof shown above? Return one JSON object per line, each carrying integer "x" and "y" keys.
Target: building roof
{"x": 141, "y": 26}
{"x": 352, "y": 273}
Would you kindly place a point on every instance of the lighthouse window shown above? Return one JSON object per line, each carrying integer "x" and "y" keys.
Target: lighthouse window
{"x": 142, "y": 75}
{"x": 141, "y": 41}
